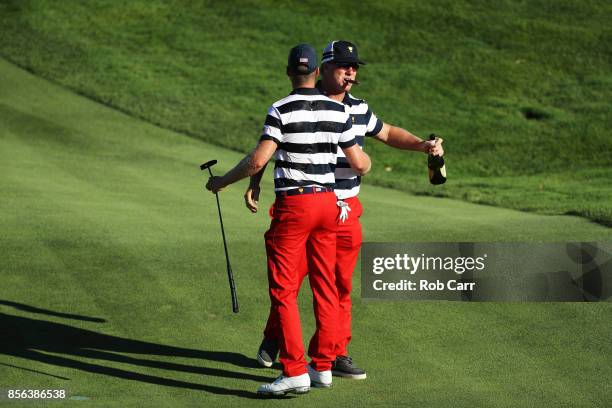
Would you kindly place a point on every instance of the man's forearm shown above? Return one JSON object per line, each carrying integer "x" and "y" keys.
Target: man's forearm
{"x": 256, "y": 178}
{"x": 245, "y": 168}
{"x": 402, "y": 139}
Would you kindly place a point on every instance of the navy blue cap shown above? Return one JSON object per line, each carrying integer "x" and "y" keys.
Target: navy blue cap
{"x": 341, "y": 52}
{"x": 302, "y": 59}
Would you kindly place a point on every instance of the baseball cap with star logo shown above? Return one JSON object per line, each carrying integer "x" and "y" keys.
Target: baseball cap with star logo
{"x": 341, "y": 52}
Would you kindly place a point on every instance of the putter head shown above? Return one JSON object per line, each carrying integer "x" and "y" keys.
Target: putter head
{"x": 207, "y": 164}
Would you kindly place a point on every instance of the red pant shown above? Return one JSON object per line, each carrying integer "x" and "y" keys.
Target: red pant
{"x": 303, "y": 228}
{"x": 347, "y": 251}
{"x": 349, "y": 238}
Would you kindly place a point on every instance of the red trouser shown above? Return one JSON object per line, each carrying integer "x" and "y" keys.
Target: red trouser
{"x": 349, "y": 240}
{"x": 303, "y": 228}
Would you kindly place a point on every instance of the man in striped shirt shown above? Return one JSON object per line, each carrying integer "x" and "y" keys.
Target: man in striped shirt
{"x": 303, "y": 131}
{"x": 340, "y": 63}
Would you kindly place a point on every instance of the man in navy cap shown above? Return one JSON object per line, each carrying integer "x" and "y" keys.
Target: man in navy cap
{"x": 340, "y": 64}
{"x": 303, "y": 131}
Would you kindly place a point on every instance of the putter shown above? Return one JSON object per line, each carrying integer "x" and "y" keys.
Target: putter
{"x": 230, "y": 275}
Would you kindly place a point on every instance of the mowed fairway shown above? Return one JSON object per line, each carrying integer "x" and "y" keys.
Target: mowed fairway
{"x": 114, "y": 285}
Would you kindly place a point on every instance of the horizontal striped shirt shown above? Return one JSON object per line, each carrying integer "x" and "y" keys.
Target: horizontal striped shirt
{"x": 308, "y": 128}
{"x": 365, "y": 123}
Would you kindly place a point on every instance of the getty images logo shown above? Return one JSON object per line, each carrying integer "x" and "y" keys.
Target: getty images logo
{"x": 413, "y": 264}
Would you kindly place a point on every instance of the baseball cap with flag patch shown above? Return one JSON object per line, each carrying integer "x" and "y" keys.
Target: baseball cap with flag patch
{"x": 341, "y": 52}
{"x": 302, "y": 59}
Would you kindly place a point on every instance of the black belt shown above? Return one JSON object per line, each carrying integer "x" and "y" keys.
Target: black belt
{"x": 304, "y": 190}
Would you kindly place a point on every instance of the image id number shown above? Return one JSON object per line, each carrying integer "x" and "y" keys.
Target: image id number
{"x": 36, "y": 394}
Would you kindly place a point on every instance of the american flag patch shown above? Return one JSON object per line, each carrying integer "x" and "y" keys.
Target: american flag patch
{"x": 304, "y": 60}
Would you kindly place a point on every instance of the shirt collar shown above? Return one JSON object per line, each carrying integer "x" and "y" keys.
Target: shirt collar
{"x": 346, "y": 100}
{"x": 305, "y": 91}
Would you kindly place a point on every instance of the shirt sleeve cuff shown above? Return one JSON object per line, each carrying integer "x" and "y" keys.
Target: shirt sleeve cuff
{"x": 347, "y": 144}
{"x": 377, "y": 128}
{"x": 268, "y": 137}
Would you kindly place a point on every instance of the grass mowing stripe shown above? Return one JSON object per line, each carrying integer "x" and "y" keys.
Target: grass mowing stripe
{"x": 80, "y": 217}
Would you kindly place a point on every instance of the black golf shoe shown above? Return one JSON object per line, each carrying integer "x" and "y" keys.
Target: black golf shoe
{"x": 343, "y": 367}
{"x": 267, "y": 353}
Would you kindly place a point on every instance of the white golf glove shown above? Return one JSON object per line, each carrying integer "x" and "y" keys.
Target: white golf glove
{"x": 344, "y": 210}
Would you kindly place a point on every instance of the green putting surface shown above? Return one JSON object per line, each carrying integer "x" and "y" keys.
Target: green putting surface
{"x": 114, "y": 285}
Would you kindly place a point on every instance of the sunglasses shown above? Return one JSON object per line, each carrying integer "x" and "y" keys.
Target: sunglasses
{"x": 347, "y": 65}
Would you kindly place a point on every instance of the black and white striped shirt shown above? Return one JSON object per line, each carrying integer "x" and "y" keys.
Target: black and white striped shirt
{"x": 308, "y": 128}
{"x": 365, "y": 123}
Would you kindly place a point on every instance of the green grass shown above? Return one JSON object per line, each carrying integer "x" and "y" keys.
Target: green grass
{"x": 519, "y": 90}
{"x": 104, "y": 216}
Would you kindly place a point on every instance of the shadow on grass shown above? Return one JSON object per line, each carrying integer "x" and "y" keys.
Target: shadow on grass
{"x": 31, "y": 309}
{"x": 64, "y": 345}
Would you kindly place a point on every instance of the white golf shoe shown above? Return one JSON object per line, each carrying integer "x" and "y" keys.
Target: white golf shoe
{"x": 299, "y": 384}
{"x": 319, "y": 379}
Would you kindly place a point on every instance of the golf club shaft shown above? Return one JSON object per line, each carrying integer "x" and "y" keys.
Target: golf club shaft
{"x": 230, "y": 274}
